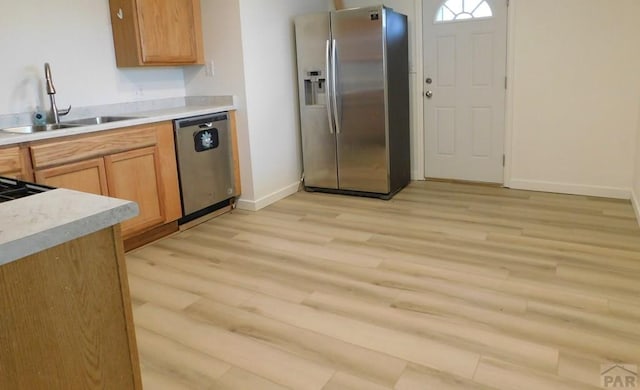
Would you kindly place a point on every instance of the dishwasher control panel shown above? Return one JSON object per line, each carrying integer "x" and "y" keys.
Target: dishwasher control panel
{"x": 204, "y": 140}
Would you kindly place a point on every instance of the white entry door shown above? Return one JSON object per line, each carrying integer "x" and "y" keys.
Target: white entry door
{"x": 465, "y": 48}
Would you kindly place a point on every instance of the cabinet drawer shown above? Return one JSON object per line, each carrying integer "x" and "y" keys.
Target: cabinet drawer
{"x": 91, "y": 146}
{"x": 10, "y": 160}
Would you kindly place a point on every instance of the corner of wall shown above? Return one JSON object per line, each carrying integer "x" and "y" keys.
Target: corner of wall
{"x": 255, "y": 205}
{"x": 635, "y": 200}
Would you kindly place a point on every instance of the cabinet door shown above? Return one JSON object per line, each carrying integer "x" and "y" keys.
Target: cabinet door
{"x": 167, "y": 31}
{"x": 10, "y": 164}
{"x": 135, "y": 176}
{"x": 86, "y": 176}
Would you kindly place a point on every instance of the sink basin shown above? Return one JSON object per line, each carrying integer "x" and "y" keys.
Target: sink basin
{"x": 35, "y": 129}
{"x": 97, "y": 120}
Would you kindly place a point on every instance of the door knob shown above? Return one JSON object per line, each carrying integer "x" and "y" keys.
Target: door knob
{"x": 428, "y": 94}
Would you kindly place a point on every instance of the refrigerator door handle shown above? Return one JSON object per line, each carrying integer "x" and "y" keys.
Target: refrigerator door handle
{"x": 328, "y": 86}
{"x": 334, "y": 82}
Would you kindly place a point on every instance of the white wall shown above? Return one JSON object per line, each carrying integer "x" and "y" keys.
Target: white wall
{"x": 75, "y": 37}
{"x": 268, "y": 42}
{"x": 636, "y": 179}
{"x": 575, "y": 95}
{"x": 222, "y": 38}
{"x": 251, "y": 43}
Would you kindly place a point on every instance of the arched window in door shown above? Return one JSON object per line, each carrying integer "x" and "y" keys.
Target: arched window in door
{"x": 456, "y": 10}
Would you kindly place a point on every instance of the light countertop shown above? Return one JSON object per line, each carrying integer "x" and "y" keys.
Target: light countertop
{"x": 142, "y": 117}
{"x": 38, "y": 222}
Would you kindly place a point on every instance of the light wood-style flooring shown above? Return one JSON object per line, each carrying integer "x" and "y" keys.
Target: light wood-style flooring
{"x": 447, "y": 286}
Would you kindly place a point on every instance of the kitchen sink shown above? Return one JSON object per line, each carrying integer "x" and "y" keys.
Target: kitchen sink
{"x": 97, "y": 120}
{"x": 38, "y": 128}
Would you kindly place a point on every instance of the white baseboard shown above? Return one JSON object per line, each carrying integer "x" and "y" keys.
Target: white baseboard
{"x": 635, "y": 200}
{"x": 417, "y": 176}
{"x": 569, "y": 188}
{"x": 255, "y": 205}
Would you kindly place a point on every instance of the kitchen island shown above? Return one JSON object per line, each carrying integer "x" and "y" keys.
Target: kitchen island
{"x": 65, "y": 311}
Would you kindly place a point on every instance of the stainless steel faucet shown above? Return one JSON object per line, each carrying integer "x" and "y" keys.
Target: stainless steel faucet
{"x": 51, "y": 91}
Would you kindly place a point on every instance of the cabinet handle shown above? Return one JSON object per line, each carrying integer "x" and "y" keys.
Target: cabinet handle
{"x": 120, "y": 14}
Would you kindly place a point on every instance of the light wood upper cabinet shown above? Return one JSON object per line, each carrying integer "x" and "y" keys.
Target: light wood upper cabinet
{"x": 157, "y": 32}
{"x": 86, "y": 176}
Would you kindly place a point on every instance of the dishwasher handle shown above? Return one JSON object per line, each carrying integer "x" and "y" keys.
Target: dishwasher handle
{"x": 202, "y": 121}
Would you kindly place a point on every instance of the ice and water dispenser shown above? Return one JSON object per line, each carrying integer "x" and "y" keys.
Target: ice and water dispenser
{"x": 315, "y": 88}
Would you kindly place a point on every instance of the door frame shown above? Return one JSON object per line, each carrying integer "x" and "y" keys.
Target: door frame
{"x": 418, "y": 86}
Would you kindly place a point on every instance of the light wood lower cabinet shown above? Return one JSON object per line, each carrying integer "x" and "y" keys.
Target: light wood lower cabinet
{"x": 14, "y": 163}
{"x": 86, "y": 176}
{"x": 136, "y": 163}
{"x": 136, "y": 175}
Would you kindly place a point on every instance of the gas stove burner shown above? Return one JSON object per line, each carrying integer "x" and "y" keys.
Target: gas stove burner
{"x": 11, "y": 189}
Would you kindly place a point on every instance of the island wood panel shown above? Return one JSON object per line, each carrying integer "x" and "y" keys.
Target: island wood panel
{"x": 66, "y": 318}
{"x": 72, "y": 149}
{"x": 86, "y": 176}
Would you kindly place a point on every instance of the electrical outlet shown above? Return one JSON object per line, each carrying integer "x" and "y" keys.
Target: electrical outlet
{"x": 209, "y": 68}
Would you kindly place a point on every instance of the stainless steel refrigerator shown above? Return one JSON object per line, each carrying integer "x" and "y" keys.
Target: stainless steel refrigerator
{"x": 353, "y": 74}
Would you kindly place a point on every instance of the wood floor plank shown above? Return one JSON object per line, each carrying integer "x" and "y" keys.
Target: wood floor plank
{"x": 177, "y": 278}
{"x": 306, "y": 273}
{"x": 446, "y": 286}
{"x": 153, "y": 378}
{"x": 607, "y": 346}
{"x": 462, "y": 335}
{"x": 186, "y": 365}
{"x": 369, "y": 365}
{"x": 147, "y": 291}
{"x": 239, "y": 379}
{"x": 342, "y": 381}
{"x": 271, "y": 363}
{"x": 401, "y": 345}
{"x": 503, "y": 375}
{"x": 579, "y": 368}
{"x": 422, "y": 378}
{"x": 205, "y": 266}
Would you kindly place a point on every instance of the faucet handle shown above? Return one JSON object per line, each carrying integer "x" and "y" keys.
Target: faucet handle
{"x": 64, "y": 111}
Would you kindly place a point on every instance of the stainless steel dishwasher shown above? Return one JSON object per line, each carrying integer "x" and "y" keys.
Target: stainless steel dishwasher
{"x": 205, "y": 164}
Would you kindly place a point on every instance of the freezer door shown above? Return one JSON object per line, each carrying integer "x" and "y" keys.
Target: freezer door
{"x": 318, "y": 137}
{"x": 361, "y": 115}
